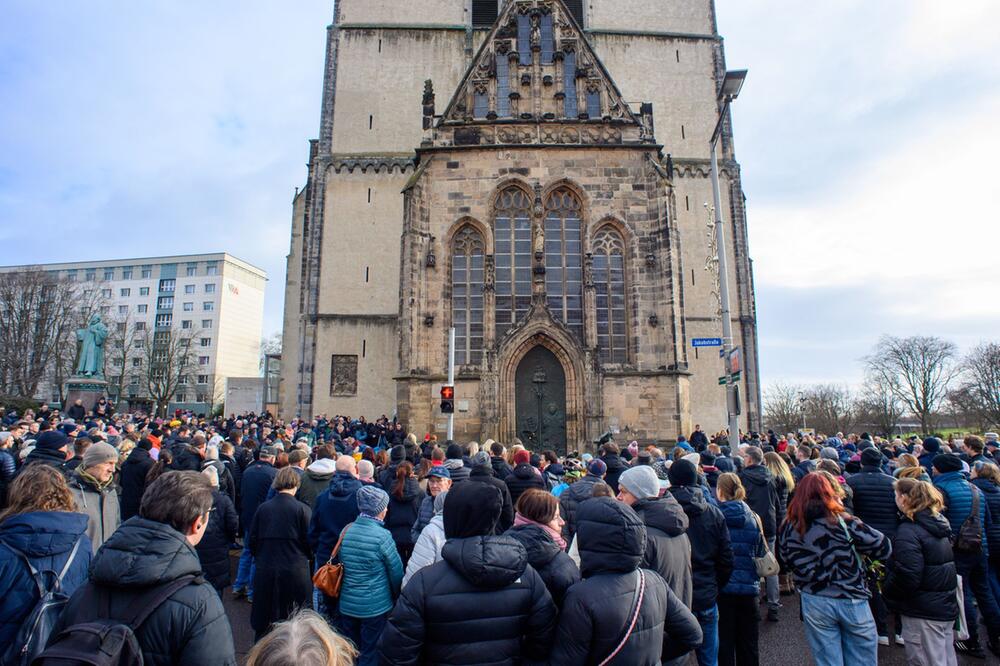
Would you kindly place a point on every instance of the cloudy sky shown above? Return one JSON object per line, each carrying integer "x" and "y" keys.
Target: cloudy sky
{"x": 867, "y": 133}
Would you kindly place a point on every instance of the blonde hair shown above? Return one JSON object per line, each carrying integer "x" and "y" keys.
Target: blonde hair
{"x": 910, "y": 473}
{"x": 920, "y": 496}
{"x": 514, "y": 449}
{"x": 985, "y": 470}
{"x": 305, "y": 639}
{"x": 730, "y": 488}
{"x": 834, "y": 483}
{"x": 778, "y": 468}
{"x": 907, "y": 460}
{"x": 124, "y": 449}
{"x": 213, "y": 476}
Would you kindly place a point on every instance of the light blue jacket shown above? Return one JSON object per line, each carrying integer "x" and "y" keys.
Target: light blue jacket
{"x": 373, "y": 571}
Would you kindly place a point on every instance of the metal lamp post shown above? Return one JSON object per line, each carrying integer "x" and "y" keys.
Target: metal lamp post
{"x": 731, "y": 87}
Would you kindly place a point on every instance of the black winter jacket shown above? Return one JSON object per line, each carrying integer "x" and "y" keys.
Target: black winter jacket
{"x": 668, "y": 550}
{"x": 921, "y": 580}
{"x": 403, "y": 513}
{"x": 501, "y": 469}
{"x": 187, "y": 459}
{"x": 191, "y": 627}
{"x": 875, "y": 499}
{"x": 133, "y": 481}
{"x": 257, "y": 480}
{"x": 213, "y": 549}
{"x": 484, "y": 474}
{"x": 615, "y": 468}
{"x": 762, "y": 496}
{"x": 991, "y": 493}
{"x": 523, "y": 477}
{"x": 711, "y": 550}
{"x": 481, "y": 604}
{"x": 597, "y": 610}
{"x": 550, "y": 561}
{"x": 570, "y": 500}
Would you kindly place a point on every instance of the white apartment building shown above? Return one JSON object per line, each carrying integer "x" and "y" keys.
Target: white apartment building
{"x": 216, "y": 296}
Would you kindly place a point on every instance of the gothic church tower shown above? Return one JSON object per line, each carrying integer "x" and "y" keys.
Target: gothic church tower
{"x": 533, "y": 173}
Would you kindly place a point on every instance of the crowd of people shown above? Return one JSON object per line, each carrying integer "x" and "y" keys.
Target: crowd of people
{"x": 469, "y": 553}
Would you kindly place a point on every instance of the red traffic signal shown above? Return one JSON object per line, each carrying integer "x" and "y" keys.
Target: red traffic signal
{"x": 447, "y": 399}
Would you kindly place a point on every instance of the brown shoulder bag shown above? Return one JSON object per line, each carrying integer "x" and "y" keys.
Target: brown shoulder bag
{"x": 329, "y": 577}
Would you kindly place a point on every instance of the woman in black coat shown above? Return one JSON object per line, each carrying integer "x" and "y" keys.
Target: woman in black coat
{"x": 278, "y": 540}
{"x": 523, "y": 477}
{"x": 598, "y": 611}
{"x": 921, "y": 582}
{"x": 133, "y": 478}
{"x": 404, "y": 507}
{"x": 223, "y": 526}
{"x": 538, "y": 526}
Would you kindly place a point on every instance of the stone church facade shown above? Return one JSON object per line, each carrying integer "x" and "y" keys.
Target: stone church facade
{"x": 531, "y": 173}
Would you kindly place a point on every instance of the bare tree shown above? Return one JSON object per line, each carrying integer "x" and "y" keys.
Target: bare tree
{"x": 981, "y": 382}
{"x": 782, "y": 407}
{"x": 34, "y": 305}
{"x": 169, "y": 359}
{"x": 830, "y": 408}
{"x": 921, "y": 370}
{"x": 121, "y": 354}
{"x": 879, "y": 405}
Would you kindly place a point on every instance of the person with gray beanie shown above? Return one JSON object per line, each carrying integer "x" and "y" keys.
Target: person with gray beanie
{"x": 373, "y": 574}
{"x": 668, "y": 550}
{"x": 93, "y": 488}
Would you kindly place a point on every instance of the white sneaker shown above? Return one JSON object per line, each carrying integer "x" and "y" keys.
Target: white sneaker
{"x": 883, "y": 640}
{"x": 899, "y": 640}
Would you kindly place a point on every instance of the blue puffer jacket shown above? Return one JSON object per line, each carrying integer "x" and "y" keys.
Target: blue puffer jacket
{"x": 747, "y": 544}
{"x": 991, "y": 492}
{"x": 373, "y": 571}
{"x": 335, "y": 507}
{"x": 47, "y": 538}
{"x": 957, "y": 493}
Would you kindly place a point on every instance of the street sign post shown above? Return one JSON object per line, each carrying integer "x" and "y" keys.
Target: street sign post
{"x": 706, "y": 342}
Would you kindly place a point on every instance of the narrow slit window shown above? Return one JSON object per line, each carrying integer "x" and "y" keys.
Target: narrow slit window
{"x": 569, "y": 85}
{"x": 594, "y": 104}
{"x": 683, "y": 135}
{"x": 371, "y": 122}
{"x": 687, "y": 202}
{"x": 364, "y": 348}
{"x": 696, "y": 353}
{"x": 548, "y": 39}
{"x": 369, "y": 195}
{"x": 678, "y": 52}
{"x": 524, "y": 38}
{"x": 503, "y": 86}
{"x": 367, "y": 268}
{"x": 380, "y": 46}
{"x": 692, "y": 277}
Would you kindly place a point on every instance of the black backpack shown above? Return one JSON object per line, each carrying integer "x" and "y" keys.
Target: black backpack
{"x": 970, "y": 534}
{"x": 107, "y": 641}
{"x": 34, "y": 632}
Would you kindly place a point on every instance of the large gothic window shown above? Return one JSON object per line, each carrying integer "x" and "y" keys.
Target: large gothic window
{"x": 467, "y": 295}
{"x": 512, "y": 241}
{"x": 564, "y": 259}
{"x": 609, "y": 285}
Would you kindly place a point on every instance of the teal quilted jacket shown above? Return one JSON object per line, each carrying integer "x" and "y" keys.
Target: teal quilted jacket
{"x": 372, "y": 569}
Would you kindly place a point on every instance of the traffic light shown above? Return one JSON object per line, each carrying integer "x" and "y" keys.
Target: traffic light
{"x": 447, "y": 399}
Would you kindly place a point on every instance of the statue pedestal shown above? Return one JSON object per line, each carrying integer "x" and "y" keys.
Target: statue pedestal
{"x": 87, "y": 389}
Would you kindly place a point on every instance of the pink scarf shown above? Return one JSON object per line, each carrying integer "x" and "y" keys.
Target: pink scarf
{"x": 554, "y": 535}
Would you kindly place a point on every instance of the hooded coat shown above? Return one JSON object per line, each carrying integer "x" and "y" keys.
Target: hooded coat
{"x": 133, "y": 481}
{"x": 616, "y": 466}
{"x": 403, "y": 512}
{"x": 668, "y": 550}
{"x": 315, "y": 480}
{"x": 922, "y": 579}
{"x": 747, "y": 543}
{"x": 336, "y": 507}
{"x": 991, "y": 493}
{"x": 523, "y": 477}
{"x": 597, "y": 610}
{"x": 484, "y": 474}
{"x": 874, "y": 499}
{"x": 570, "y": 500}
{"x": 213, "y": 549}
{"x": 190, "y": 627}
{"x": 373, "y": 571}
{"x": 711, "y": 551}
{"x": 762, "y": 496}
{"x": 551, "y": 562}
{"x": 481, "y": 604}
{"x": 99, "y": 504}
{"x": 47, "y": 538}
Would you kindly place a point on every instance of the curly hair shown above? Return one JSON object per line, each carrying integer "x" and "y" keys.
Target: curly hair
{"x": 38, "y": 488}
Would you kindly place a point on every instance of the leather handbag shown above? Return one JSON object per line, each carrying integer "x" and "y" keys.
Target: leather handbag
{"x": 767, "y": 565}
{"x": 329, "y": 577}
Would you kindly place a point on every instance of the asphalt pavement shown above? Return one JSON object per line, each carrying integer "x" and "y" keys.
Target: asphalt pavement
{"x": 782, "y": 643}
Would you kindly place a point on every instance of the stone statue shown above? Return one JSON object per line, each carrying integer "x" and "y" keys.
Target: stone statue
{"x": 91, "y": 363}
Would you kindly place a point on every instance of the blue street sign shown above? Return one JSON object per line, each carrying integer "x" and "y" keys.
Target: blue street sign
{"x": 706, "y": 342}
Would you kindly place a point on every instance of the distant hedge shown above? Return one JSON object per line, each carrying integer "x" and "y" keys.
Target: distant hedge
{"x": 18, "y": 404}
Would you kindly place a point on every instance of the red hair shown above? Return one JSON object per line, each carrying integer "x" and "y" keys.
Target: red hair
{"x": 814, "y": 498}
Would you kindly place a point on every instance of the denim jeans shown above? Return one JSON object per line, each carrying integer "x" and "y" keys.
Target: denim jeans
{"x": 708, "y": 651}
{"x": 771, "y": 583}
{"x": 841, "y": 632}
{"x": 246, "y": 569}
{"x": 364, "y": 633}
{"x": 978, "y": 595}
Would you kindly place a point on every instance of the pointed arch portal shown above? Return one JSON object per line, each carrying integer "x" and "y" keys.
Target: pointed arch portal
{"x": 540, "y": 401}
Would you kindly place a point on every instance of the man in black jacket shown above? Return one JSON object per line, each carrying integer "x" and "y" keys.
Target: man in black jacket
{"x": 482, "y": 471}
{"x": 133, "y": 478}
{"x": 875, "y": 504}
{"x": 711, "y": 552}
{"x": 155, "y": 549}
{"x": 763, "y": 499}
{"x": 257, "y": 480}
{"x": 501, "y": 469}
{"x": 611, "y": 458}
